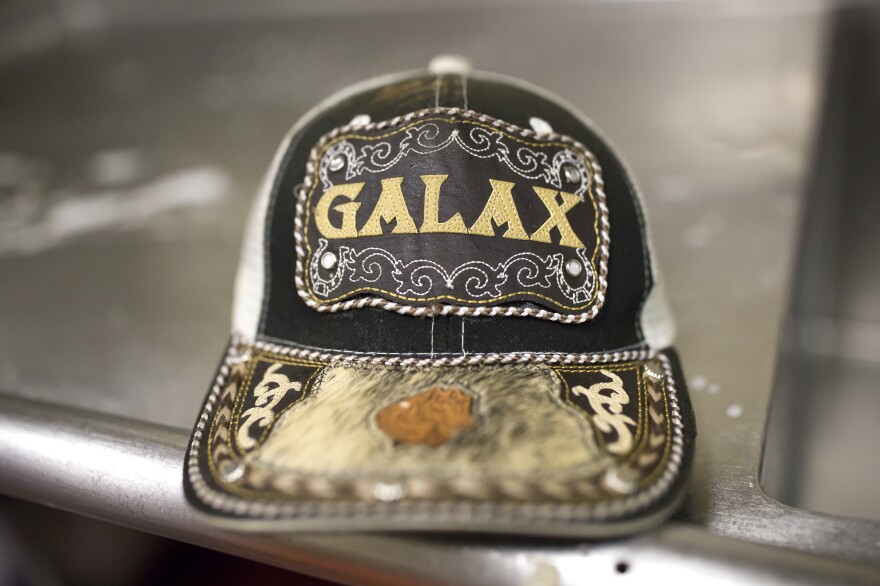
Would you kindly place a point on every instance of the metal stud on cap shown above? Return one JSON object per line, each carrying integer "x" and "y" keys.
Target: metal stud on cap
{"x": 232, "y": 471}
{"x": 328, "y": 260}
{"x": 621, "y": 480}
{"x": 574, "y": 267}
{"x": 572, "y": 174}
{"x": 239, "y": 354}
{"x": 387, "y": 492}
{"x": 337, "y": 163}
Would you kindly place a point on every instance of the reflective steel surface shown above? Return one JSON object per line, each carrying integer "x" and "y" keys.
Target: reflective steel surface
{"x": 132, "y": 139}
{"x": 824, "y": 417}
{"x": 128, "y": 472}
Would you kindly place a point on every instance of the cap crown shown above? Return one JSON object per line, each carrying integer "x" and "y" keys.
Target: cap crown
{"x": 508, "y": 240}
{"x": 438, "y": 324}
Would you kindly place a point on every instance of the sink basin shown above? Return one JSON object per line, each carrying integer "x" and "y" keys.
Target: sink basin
{"x": 824, "y": 425}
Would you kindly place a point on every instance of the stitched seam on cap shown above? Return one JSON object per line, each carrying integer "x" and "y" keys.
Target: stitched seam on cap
{"x": 287, "y": 343}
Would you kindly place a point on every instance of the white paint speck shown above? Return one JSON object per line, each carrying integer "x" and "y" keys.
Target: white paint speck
{"x": 113, "y": 210}
{"x": 128, "y": 79}
{"x": 87, "y": 213}
{"x": 770, "y": 277}
{"x": 704, "y": 231}
{"x": 698, "y": 382}
{"x": 8, "y": 372}
{"x": 168, "y": 230}
{"x": 674, "y": 188}
{"x": 734, "y": 410}
{"x": 117, "y": 167}
{"x": 220, "y": 93}
{"x": 713, "y": 389}
{"x": 12, "y": 169}
{"x": 117, "y": 318}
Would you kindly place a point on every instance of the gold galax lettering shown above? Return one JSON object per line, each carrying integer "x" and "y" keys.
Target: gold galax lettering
{"x": 348, "y": 210}
{"x": 431, "y": 221}
{"x": 391, "y": 206}
{"x": 501, "y": 210}
{"x": 557, "y": 218}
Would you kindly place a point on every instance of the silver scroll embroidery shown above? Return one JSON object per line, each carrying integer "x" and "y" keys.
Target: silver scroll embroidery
{"x": 477, "y": 279}
{"x": 480, "y": 142}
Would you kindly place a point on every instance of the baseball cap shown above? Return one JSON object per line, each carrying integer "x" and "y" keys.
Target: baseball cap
{"x": 447, "y": 317}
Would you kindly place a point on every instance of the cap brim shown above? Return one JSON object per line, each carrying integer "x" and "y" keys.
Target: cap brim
{"x": 585, "y": 445}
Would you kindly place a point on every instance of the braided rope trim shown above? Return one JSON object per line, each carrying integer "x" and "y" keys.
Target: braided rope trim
{"x": 456, "y": 360}
{"x": 615, "y": 506}
{"x": 604, "y": 243}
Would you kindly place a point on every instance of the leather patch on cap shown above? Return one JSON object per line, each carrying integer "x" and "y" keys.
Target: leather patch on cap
{"x": 452, "y": 212}
{"x": 431, "y": 417}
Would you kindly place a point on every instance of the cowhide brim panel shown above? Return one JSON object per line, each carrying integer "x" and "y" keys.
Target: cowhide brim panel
{"x": 283, "y": 436}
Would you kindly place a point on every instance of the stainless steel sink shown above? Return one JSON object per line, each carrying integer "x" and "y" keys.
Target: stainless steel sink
{"x": 824, "y": 428}
{"x": 132, "y": 136}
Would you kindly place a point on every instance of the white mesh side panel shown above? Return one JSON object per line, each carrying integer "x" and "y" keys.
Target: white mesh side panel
{"x": 658, "y": 325}
{"x": 248, "y": 294}
{"x": 657, "y": 322}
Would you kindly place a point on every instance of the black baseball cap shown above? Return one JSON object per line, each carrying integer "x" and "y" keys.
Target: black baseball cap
{"x": 447, "y": 317}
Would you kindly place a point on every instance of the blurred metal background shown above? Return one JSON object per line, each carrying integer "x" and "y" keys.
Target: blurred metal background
{"x": 133, "y": 135}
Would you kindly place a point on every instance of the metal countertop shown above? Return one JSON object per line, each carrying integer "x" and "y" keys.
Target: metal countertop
{"x": 161, "y": 123}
